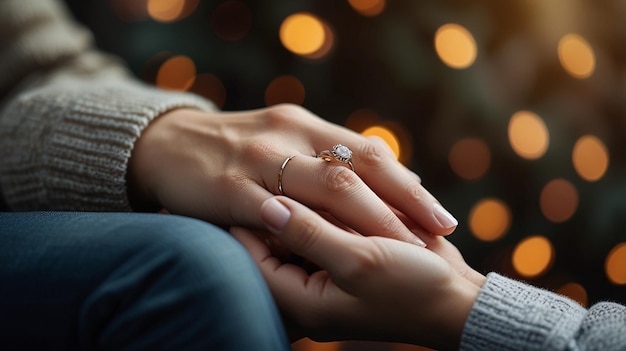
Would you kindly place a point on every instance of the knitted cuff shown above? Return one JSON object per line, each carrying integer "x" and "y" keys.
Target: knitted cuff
{"x": 68, "y": 149}
{"x": 510, "y": 315}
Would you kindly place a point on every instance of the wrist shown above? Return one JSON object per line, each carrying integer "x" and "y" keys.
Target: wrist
{"x": 452, "y": 310}
{"x": 142, "y": 174}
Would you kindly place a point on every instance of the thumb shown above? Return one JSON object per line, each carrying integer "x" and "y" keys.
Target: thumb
{"x": 307, "y": 234}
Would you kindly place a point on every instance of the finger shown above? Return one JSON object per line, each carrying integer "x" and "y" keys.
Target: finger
{"x": 393, "y": 182}
{"x": 293, "y": 289}
{"x": 256, "y": 246}
{"x": 369, "y": 216}
{"x": 402, "y": 188}
{"x": 247, "y": 201}
{"x": 269, "y": 265}
{"x": 306, "y": 233}
{"x": 338, "y": 190}
{"x": 445, "y": 249}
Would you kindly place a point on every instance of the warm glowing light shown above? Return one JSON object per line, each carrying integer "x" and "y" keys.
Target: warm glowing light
{"x": 528, "y": 135}
{"x": 455, "y": 46}
{"x": 211, "y": 87}
{"x": 368, "y": 7}
{"x": 490, "y": 219}
{"x": 306, "y": 344}
{"x": 231, "y": 20}
{"x": 470, "y": 158}
{"x": 327, "y": 46}
{"x": 177, "y": 73}
{"x": 285, "y": 89}
{"x": 576, "y": 56}
{"x": 558, "y": 200}
{"x": 615, "y": 265}
{"x": 590, "y": 158}
{"x": 302, "y": 33}
{"x": 575, "y": 292}
{"x": 165, "y": 10}
{"x": 533, "y": 256}
{"x": 387, "y": 135}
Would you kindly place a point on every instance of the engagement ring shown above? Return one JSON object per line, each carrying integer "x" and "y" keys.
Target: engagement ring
{"x": 339, "y": 153}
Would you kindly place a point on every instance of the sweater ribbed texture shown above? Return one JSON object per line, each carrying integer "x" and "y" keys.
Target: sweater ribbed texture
{"x": 73, "y": 116}
{"x": 510, "y": 315}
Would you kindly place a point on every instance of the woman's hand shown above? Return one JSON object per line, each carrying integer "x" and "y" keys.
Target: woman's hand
{"x": 221, "y": 166}
{"x": 369, "y": 288}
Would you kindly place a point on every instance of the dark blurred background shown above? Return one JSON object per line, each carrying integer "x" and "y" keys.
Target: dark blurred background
{"x": 512, "y": 112}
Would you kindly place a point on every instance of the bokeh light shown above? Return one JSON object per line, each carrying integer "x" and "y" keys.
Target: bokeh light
{"x": 455, "y": 46}
{"x": 514, "y": 123}
{"x": 558, "y": 200}
{"x": 470, "y": 158}
{"x": 231, "y": 20}
{"x": 590, "y": 158}
{"x": 575, "y": 292}
{"x": 615, "y": 265}
{"x": 211, "y": 87}
{"x": 368, "y": 8}
{"x": 285, "y": 89}
{"x": 528, "y": 135}
{"x": 170, "y": 10}
{"x": 490, "y": 219}
{"x": 327, "y": 45}
{"x": 533, "y": 256}
{"x": 387, "y": 135}
{"x": 306, "y": 344}
{"x": 576, "y": 56}
{"x": 302, "y": 33}
{"x": 177, "y": 73}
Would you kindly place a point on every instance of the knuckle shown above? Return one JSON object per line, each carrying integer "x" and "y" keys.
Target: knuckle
{"x": 415, "y": 193}
{"x": 307, "y": 234}
{"x": 373, "y": 154}
{"x": 339, "y": 179}
{"x": 364, "y": 263}
{"x": 390, "y": 223}
{"x": 283, "y": 114}
{"x": 258, "y": 149}
{"x": 233, "y": 180}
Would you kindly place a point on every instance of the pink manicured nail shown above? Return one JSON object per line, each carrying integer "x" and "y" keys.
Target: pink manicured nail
{"x": 274, "y": 214}
{"x": 445, "y": 219}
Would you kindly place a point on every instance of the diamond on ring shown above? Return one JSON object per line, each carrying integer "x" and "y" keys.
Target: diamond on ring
{"x": 339, "y": 153}
{"x": 342, "y": 153}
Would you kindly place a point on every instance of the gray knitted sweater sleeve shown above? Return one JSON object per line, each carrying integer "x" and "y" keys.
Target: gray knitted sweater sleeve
{"x": 510, "y": 315}
{"x": 69, "y": 115}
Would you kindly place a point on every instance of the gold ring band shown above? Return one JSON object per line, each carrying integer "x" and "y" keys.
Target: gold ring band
{"x": 280, "y": 174}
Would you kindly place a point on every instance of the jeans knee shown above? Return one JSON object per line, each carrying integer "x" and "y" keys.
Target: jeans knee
{"x": 199, "y": 258}
{"x": 183, "y": 273}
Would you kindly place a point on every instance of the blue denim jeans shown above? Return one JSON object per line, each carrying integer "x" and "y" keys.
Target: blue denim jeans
{"x": 124, "y": 281}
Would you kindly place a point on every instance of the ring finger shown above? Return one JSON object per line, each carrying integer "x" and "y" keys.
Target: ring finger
{"x": 335, "y": 188}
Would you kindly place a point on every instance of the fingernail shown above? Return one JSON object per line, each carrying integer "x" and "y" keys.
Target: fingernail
{"x": 419, "y": 242}
{"x": 274, "y": 214}
{"x": 445, "y": 219}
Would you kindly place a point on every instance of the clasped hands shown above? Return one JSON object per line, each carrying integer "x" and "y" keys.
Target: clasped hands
{"x": 365, "y": 231}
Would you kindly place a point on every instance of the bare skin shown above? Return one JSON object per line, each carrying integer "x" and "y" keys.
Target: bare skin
{"x": 221, "y": 166}
{"x": 369, "y": 288}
